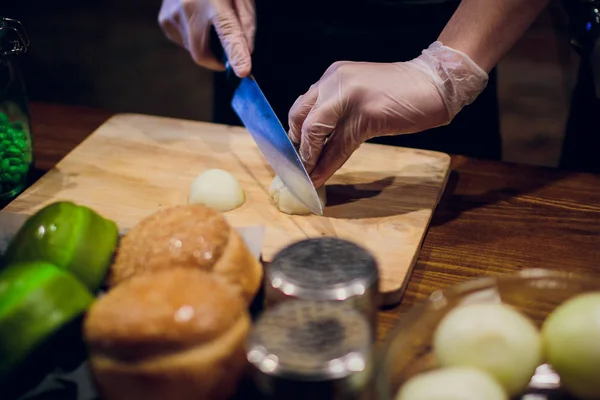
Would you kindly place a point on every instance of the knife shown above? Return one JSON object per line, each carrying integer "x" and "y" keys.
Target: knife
{"x": 255, "y": 112}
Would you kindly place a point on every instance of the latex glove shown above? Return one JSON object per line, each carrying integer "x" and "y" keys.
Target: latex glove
{"x": 188, "y": 23}
{"x": 357, "y": 101}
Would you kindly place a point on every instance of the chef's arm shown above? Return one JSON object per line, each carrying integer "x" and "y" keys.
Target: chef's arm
{"x": 487, "y": 29}
{"x": 336, "y": 115}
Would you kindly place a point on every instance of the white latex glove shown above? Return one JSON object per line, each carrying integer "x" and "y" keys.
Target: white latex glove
{"x": 357, "y": 101}
{"x": 188, "y": 23}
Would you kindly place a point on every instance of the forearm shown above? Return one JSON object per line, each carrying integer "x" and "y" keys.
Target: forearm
{"x": 487, "y": 29}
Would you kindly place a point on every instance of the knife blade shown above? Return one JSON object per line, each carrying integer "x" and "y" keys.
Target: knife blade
{"x": 257, "y": 115}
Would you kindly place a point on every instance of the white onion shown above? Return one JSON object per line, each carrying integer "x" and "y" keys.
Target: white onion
{"x": 217, "y": 189}
{"x": 493, "y": 337}
{"x": 571, "y": 338}
{"x": 287, "y": 203}
{"x": 452, "y": 383}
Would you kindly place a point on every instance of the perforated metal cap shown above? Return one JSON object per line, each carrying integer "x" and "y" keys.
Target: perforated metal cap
{"x": 325, "y": 268}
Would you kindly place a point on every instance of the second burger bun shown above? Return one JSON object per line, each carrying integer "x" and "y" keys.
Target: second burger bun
{"x": 174, "y": 334}
{"x": 190, "y": 236}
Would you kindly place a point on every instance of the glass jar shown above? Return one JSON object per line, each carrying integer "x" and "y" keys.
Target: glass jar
{"x": 408, "y": 350}
{"x": 16, "y": 152}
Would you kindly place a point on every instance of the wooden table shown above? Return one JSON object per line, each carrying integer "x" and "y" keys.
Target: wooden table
{"x": 494, "y": 218}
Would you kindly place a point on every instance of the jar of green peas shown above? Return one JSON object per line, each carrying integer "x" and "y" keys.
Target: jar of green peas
{"x": 16, "y": 153}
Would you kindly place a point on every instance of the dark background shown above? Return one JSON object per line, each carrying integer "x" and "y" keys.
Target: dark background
{"x": 112, "y": 54}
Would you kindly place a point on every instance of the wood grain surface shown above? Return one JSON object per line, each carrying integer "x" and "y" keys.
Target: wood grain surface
{"x": 382, "y": 198}
{"x": 494, "y": 217}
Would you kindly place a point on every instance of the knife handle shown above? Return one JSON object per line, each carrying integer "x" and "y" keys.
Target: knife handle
{"x": 217, "y": 49}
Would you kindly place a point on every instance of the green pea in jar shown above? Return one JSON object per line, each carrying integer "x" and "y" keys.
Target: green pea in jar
{"x": 16, "y": 152}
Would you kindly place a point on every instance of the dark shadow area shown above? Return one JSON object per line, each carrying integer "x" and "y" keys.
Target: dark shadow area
{"x": 344, "y": 194}
{"x": 377, "y": 195}
{"x": 63, "y": 350}
{"x": 36, "y": 175}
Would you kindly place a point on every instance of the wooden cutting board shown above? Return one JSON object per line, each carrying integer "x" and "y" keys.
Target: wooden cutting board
{"x": 383, "y": 198}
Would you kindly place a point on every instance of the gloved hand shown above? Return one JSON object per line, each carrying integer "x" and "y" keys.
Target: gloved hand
{"x": 188, "y": 23}
{"x": 357, "y": 101}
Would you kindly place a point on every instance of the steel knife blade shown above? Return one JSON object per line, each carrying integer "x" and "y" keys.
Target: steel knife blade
{"x": 257, "y": 115}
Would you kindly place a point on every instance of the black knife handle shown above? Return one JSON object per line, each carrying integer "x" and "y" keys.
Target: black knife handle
{"x": 219, "y": 53}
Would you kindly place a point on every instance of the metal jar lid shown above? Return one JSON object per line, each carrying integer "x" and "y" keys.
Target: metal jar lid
{"x": 324, "y": 268}
{"x": 311, "y": 349}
